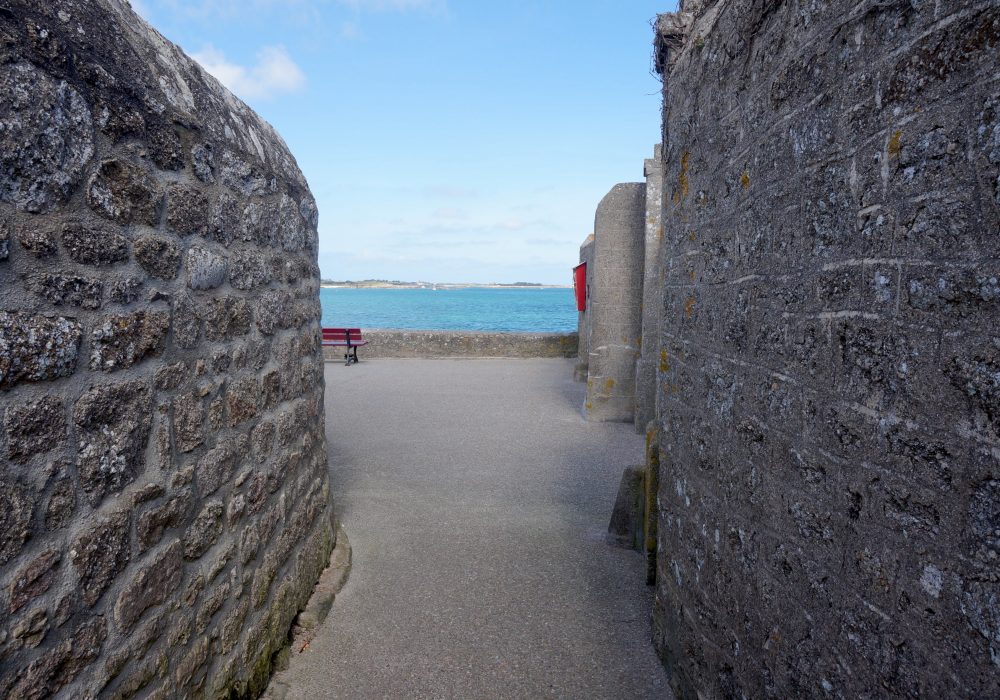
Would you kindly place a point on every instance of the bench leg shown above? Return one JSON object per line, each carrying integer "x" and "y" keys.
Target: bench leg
{"x": 355, "y": 354}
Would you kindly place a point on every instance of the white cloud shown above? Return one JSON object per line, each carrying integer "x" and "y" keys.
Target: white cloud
{"x": 452, "y": 213}
{"x": 229, "y": 8}
{"x": 448, "y": 192}
{"x": 394, "y": 5}
{"x": 274, "y": 73}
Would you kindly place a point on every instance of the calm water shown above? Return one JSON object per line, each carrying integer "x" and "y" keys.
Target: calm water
{"x": 474, "y": 309}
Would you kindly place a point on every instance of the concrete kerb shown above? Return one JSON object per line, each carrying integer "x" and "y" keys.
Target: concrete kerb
{"x": 330, "y": 583}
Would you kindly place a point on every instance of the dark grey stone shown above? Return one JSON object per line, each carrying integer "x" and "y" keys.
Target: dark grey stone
{"x": 243, "y": 177}
{"x": 242, "y": 400}
{"x": 62, "y": 663}
{"x": 225, "y": 318}
{"x": 150, "y": 586}
{"x": 205, "y": 269}
{"x": 113, "y": 422}
{"x": 225, "y": 219}
{"x": 203, "y": 162}
{"x": 61, "y": 506}
{"x": 120, "y": 341}
{"x": 189, "y": 418}
{"x": 40, "y": 239}
{"x": 94, "y": 245}
{"x": 248, "y": 269}
{"x": 151, "y": 524}
{"x": 4, "y": 241}
{"x": 33, "y": 427}
{"x": 34, "y": 579}
{"x": 292, "y": 233}
{"x": 47, "y": 139}
{"x": 100, "y": 553}
{"x": 187, "y": 324}
{"x": 272, "y": 311}
{"x": 124, "y": 192}
{"x": 171, "y": 376}
{"x": 205, "y": 530}
{"x": 71, "y": 290}
{"x": 37, "y": 348}
{"x": 17, "y": 507}
{"x": 125, "y": 291}
{"x": 159, "y": 256}
{"x": 187, "y": 210}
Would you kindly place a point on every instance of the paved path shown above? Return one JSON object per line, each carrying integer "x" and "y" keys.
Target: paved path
{"x": 476, "y": 500}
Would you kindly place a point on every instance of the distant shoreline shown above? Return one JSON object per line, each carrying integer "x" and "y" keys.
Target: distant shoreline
{"x": 432, "y": 285}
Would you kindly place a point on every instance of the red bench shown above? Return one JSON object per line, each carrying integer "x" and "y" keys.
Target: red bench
{"x": 349, "y": 338}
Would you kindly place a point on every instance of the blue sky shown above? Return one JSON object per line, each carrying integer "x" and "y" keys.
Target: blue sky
{"x": 444, "y": 140}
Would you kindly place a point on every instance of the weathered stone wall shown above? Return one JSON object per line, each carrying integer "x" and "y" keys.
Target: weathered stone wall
{"x": 616, "y": 303}
{"x": 403, "y": 343}
{"x": 164, "y": 503}
{"x": 652, "y": 293}
{"x": 830, "y": 483}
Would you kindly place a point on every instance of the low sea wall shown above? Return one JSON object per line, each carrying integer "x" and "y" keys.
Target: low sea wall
{"x": 404, "y": 343}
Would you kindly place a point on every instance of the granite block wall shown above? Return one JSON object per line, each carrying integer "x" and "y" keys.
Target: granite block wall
{"x": 830, "y": 467}
{"x": 164, "y": 503}
{"x": 652, "y": 293}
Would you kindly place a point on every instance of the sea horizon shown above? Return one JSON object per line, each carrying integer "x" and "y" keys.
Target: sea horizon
{"x": 506, "y": 309}
{"x": 384, "y": 284}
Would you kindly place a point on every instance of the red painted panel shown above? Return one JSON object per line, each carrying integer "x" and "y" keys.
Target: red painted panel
{"x": 580, "y": 286}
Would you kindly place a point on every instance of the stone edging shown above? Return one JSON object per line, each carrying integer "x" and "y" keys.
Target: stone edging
{"x": 437, "y": 344}
{"x": 330, "y": 583}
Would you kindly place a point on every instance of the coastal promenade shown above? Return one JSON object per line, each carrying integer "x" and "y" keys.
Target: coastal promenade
{"x": 476, "y": 499}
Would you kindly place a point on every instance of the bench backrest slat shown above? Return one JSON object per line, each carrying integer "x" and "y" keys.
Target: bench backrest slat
{"x": 342, "y": 335}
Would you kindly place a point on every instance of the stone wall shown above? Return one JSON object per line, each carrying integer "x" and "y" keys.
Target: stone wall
{"x": 652, "y": 293}
{"x": 402, "y": 343}
{"x": 830, "y": 413}
{"x": 164, "y": 505}
{"x": 616, "y": 303}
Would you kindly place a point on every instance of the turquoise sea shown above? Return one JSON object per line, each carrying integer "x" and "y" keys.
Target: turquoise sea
{"x": 468, "y": 309}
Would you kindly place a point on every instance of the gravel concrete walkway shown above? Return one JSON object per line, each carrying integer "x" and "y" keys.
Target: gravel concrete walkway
{"x": 476, "y": 500}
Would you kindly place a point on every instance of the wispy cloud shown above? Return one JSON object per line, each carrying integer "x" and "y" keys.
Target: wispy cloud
{"x": 497, "y": 230}
{"x": 448, "y": 192}
{"x": 547, "y": 241}
{"x": 274, "y": 73}
{"x": 204, "y": 8}
{"x": 450, "y": 213}
{"x": 395, "y": 5}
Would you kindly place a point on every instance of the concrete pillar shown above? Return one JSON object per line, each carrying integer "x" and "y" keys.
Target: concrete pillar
{"x": 652, "y": 294}
{"x": 615, "y": 304}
